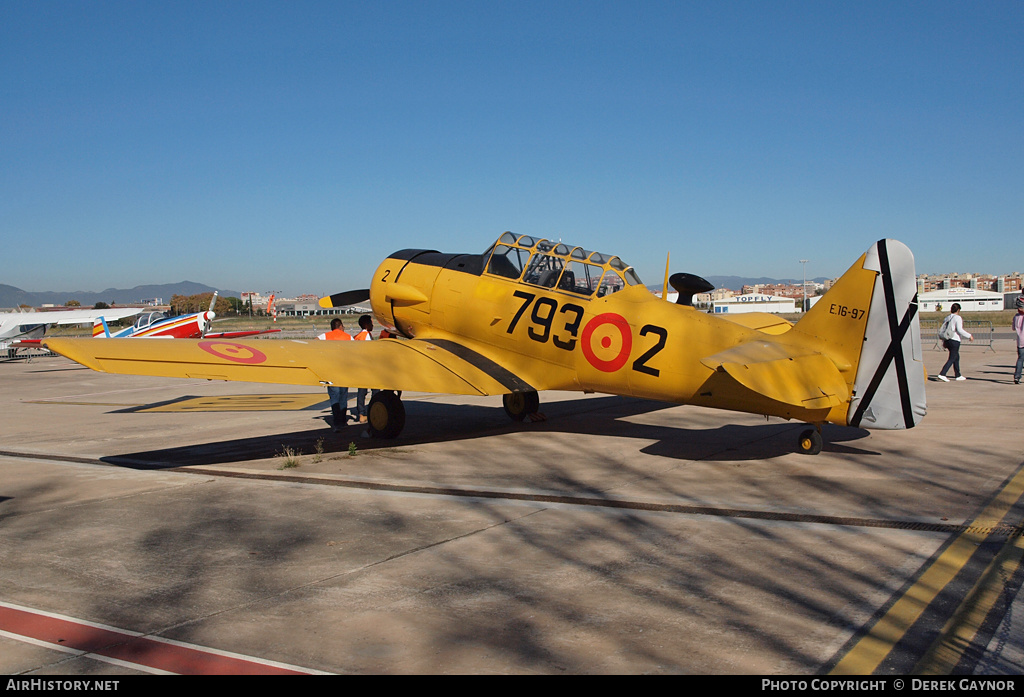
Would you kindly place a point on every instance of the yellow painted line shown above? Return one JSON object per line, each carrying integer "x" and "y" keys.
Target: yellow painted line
{"x": 868, "y": 653}
{"x": 959, "y": 633}
{"x": 251, "y": 402}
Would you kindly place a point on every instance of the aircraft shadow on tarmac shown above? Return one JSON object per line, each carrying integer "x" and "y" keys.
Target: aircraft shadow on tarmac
{"x": 432, "y": 422}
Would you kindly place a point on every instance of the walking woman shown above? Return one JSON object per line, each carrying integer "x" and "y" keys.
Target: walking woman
{"x": 953, "y": 328}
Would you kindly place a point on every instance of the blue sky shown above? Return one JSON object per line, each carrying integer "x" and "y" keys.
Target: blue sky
{"x": 291, "y": 146}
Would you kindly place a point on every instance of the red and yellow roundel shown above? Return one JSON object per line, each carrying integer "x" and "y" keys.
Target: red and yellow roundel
{"x": 233, "y": 352}
{"x": 606, "y": 342}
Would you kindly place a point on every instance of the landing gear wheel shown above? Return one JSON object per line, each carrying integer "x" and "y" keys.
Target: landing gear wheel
{"x": 519, "y": 405}
{"x": 385, "y": 415}
{"x": 810, "y": 442}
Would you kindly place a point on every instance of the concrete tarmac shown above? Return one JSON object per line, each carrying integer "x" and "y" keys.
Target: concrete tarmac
{"x": 617, "y": 536}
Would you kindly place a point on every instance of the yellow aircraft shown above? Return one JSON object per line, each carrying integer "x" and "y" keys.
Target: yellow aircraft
{"x": 529, "y": 315}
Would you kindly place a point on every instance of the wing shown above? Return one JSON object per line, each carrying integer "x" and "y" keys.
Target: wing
{"x": 787, "y": 374}
{"x": 239, "y": 334}
{"x": 418, "y": 366}
{"x": 71, "y": 316}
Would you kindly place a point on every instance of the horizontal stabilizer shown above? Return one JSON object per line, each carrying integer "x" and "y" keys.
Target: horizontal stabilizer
{"x": 784, "y": 374}
{"x": 761, "y": 321}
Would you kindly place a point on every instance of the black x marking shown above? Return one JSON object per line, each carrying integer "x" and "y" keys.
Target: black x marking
{"x": 897, "y": 331}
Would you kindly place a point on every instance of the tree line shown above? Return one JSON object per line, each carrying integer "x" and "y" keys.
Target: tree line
{"x": 187, "y": 304}
{"x": 225, "y": 307}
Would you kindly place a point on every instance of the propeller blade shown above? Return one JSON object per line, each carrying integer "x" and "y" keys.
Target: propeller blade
{"x": 349, "y": 297}
{"x": 206, "y": 319}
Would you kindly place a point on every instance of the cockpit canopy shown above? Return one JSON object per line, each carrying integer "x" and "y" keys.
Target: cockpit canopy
{"x": 149, "y": 318}
{"x": 547, "y": 264}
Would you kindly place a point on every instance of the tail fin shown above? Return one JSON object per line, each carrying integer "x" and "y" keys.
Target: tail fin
{"x": 99, "y": 329}
{"x": 868, "y": 324}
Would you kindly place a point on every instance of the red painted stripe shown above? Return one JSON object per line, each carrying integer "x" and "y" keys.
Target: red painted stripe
{"x": 122, "y": 646}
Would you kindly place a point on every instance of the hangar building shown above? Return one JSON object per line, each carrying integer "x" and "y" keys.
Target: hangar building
{"x": 970, "y": 299}
{"x": 753, "y": 302}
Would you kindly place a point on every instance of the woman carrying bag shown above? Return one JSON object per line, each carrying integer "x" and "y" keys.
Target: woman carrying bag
{"x": 951, "y": 331}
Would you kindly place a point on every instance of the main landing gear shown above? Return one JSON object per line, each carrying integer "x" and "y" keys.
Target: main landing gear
{"x": 810, "y": 441}
{"x": 522, "y": 405}
{"x": 385, "y": 415}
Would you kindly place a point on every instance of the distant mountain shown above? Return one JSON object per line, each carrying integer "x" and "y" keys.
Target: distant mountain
{"x": 737, "y": 282}
{"x": 13, "y": 297}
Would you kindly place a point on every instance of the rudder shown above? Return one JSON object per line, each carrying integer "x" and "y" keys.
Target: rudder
{"x": 889, "y": 391}
{"x": 99, "y": 329}
{"x": 868, "y": 325}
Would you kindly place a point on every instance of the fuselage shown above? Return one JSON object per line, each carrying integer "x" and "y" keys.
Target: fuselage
{"x": 583, "y": 319}
{"x": 155, "y": 325}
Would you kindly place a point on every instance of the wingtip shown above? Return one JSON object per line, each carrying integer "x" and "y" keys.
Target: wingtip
{"x": 73, "y": 349}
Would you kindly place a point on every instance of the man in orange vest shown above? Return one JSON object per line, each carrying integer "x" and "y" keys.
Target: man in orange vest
{"x": 337, "y": 395}
{"x": 366, "y": 325}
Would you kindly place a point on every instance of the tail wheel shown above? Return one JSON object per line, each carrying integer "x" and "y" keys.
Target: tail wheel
{"x": 810, "y": 442}
{"x": 385, "y": 415}
{"x": 519, "y": 405}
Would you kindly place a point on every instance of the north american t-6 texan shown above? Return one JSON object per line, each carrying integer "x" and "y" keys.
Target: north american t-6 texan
{"x": 530, "y": 315}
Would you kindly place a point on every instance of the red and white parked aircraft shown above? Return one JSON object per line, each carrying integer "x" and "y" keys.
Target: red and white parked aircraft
{"x": 157, "y": 325}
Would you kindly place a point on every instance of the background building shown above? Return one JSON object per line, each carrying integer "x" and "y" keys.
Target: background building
{"x": 753, "y": 302}
{"x": 970, "y": 299}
